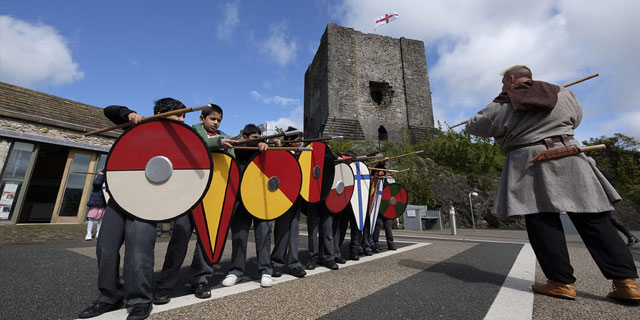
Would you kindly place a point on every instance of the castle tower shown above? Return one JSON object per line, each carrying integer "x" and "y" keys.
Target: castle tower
{"x": 364, "y": 85}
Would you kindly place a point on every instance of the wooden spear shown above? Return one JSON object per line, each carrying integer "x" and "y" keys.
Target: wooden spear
{"x": 313, "y": 140}
{"x": 394, "y": 157}
{"x": 566, "y": 85}
{"x": 263, "y": 138}
{"x": 155, "y": 116}
{"x": 274, "y": 148}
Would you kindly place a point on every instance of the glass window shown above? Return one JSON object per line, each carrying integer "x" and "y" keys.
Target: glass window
{"x": 102, "y": 160}
{"x": 15, "y": 170}
{"x": 18, "y": 162}
{"x": 75, "y": 185}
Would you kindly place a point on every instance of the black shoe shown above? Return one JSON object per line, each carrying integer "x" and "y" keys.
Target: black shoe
{"x": 355, "y": 256}
{"x": 331, "y": 265}
{"x": 140, "y": 311}
{"x": 375, "y": 250}
{"x": 201, "y": 291}
{"x": 298, "y": 272}
{"x": 367, "y": 252}
{"x": 391, "y": 246}
{"x": 311, "y": 265}
{"x": 97, "y": 308}
{"x": 162, "y": 296}
{"x": 340, "y": 260}
{"x": 277, "y": 272}
{"x": 632, "y": 240}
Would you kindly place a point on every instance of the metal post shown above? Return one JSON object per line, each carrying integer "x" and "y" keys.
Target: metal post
{"x": 452, "y": 220}
{"x": 473, "y": 219}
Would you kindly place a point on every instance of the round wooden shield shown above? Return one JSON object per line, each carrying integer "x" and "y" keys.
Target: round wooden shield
{"x": 212, "y": 216}
{"x": 341, "y": 189}
{"x": 317, "y": 171}
{"x": 270, "y": 184}
{"x": 360, "y": 197}
{"x": 158, "y": 170}
{"x": 394, "y": 201}
{"x": 374, "y": 203}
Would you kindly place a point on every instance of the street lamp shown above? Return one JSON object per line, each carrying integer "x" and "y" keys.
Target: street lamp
{"x": 473, "y": 219}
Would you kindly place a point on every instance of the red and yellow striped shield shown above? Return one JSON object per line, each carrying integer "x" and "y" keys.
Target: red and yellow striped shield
{"x": 213, "y": 214}
{"x": 317, "y": 171}
{"x": 270, "y": 184}
{"x": 394, "y": 201}
{"x": 158, "y": 170}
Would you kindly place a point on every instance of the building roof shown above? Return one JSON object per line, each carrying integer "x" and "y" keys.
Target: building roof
{"x": 35, "y": 106}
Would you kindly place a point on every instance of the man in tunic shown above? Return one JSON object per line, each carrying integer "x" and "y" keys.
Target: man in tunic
{"x": 529, "y": 117}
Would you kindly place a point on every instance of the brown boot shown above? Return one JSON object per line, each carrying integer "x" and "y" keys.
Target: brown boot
{"x": 625, "y": 289}
{"x": 556, "y": 289}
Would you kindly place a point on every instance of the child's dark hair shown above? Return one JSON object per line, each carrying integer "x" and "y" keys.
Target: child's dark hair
{"x": 167, "y": 104}
{"x": 213, "y": 108}
{"x": 251, "y": 129}
{"x": 292, "y": 137}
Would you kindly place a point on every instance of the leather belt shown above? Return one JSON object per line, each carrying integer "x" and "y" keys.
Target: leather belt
{"x": 548, "y": 142}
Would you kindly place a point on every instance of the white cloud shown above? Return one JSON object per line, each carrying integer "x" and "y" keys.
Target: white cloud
{"x": 273, "y": 100}
{"x": 561, "y": 40}
{"x": 34, "y": 55}
{"x": 227, "y": 26}
{"x": 294, "y": 119}
{"x": 279, "y": 47}
{"x": 627, "y": 123}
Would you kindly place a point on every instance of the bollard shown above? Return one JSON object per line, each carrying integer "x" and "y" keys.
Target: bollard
{"x": 452, "y": 221}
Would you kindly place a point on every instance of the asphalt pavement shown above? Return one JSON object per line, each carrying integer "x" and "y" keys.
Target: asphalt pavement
{"x": 49, "y": 272}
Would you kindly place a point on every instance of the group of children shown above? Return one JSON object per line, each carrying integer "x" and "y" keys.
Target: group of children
{"x": 326, "y": 234}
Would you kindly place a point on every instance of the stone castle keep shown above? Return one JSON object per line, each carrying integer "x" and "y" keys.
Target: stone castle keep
{"x": 360, "y": 85}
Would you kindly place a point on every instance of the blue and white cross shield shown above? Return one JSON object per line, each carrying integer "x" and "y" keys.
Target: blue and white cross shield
{"x": 360, "y": 196}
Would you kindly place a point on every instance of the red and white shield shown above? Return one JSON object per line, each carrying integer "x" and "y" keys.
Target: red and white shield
{"x": 158, "y": 170}
{"x": 341, "y": 189}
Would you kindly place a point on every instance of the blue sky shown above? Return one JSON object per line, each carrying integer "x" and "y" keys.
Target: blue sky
{"x": 250, "y": 56}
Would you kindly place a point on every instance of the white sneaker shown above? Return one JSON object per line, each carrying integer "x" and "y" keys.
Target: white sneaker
{"x": 229, "y": 280}
{"x": 87, "y": 237}
{"x": 266, "y": 281}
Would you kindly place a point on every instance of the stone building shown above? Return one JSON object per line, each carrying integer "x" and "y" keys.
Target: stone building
{"x": 366, "y": 86}
{"x": 46, "y": 165}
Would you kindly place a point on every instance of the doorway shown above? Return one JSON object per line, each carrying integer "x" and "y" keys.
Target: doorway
{"x": 42, "y": 191}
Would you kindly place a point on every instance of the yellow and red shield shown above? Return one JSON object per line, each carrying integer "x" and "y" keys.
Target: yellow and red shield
{"x": 317, "y": 171}
{"x": 212, "y": 215}
{"x": 158, "y": 170}
{"x": 270, "y": 184}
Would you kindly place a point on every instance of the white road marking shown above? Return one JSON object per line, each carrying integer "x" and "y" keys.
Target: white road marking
{"x": 515, "y": 298}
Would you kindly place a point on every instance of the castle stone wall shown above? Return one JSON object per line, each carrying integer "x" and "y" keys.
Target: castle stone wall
{"x": 348, "y": 66}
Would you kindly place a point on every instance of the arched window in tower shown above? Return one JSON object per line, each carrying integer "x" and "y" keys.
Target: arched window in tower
{"x": 383, "y": 135}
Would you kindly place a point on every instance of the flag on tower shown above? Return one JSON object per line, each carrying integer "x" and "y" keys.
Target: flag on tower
{"x": 388, "y": 17}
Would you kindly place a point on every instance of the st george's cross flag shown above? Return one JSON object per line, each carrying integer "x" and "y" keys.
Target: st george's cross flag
{"x": 388, "y": 17}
